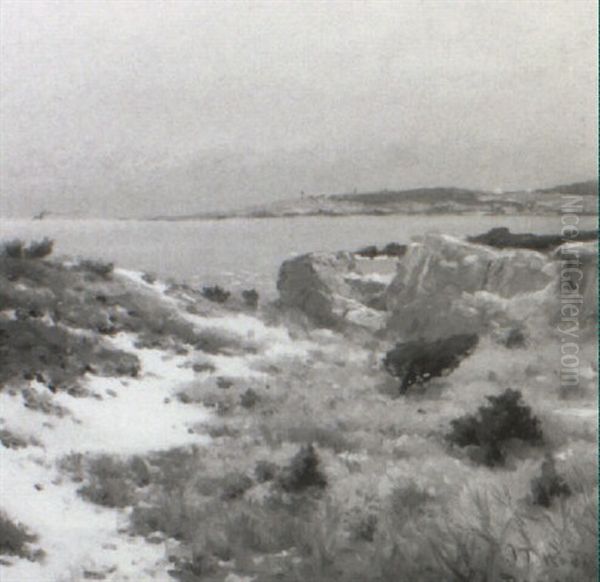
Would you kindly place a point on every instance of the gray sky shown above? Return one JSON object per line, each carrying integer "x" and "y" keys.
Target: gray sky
{"x": 138, "y": 107}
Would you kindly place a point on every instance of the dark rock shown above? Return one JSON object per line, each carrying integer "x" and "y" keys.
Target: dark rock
{"x": 394, "y": 250}
{"x": 502, "y": 238}
{"x": 390, "y": 250}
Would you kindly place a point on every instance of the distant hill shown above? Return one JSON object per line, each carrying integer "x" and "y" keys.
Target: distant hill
{"x": 589, "y": 188}
{"x": 439, "y": 200}
{"x": 422, "y": 195}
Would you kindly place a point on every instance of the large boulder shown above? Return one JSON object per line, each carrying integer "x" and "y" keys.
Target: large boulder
{"x": 330, "y": 289}
{"x": 445, "y": 286}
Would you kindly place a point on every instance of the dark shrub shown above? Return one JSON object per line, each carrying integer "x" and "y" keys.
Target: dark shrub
{"x": 363, "y": 527}
{"x": 419, "y": 361}
{"x": 506, "y": 417}
{"x": 98, "y": 268}
{"x": 224, "y": 383}
{"x": 394, "y": 250}
{"x": 202, "y": 367}
{"x": 235, "y": 485}
{"x": 515, "y": 339}
{"x": 13, "y": 249}
{"x": 11, "y": 440}
{"x": 303, "y": 472}
{"x": 149, "y": 278}
{"x": 265, "y": 471}
{"x": 216, "y": 294}
{"x": 250, "y": 297}
{"x": 549, "y": 485}
{"x": 249, "y": 398}
{"x": 370, "y": 252}
{"x": 13, "y": 538}
{"x": 39, "y": 249}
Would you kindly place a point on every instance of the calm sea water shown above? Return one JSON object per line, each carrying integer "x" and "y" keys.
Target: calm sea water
{"x": 244, "y": 252}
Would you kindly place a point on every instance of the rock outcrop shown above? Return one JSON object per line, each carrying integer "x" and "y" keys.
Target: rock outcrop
{"x": 502, "y": 238}
{"x": 443, "y": 286}
{"x": 446, "y": 286}
{"x": 331, "y": 291}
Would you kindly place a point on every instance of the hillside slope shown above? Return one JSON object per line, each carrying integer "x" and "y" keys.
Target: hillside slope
{"x": 346, "y": 432}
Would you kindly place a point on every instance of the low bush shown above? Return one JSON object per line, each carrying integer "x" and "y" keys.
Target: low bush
{"x": 370, "y": 252}
{"x": 235, "y": 485}
{"x": 16, "y": 249}
{"x": 549, "y": 485}
{"x": 11, "y": 440}
{"x": 13, "y": 249}
{"x": 310, "y": 433}
{"x": 506, "y": 417}
{"x": 14, "y": 538}
{"x": 250, "y": 297}
{"x": 39, "y": 249}
{"x": 419, "y": 361}
{"x": 149, "y": 278}
{"x": 265, "y": 471}
{"x": 303, "y": 472}
{"x": 98, "y": 268}
{"x": 408, "y": 501}
{"x": 249, "y": 398}
{"x": 110, "y": 483}
{"x": 363, "y": 526}
{"x": 216, "y": 294}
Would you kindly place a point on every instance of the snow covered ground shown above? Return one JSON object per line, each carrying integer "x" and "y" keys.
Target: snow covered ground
{"x": 124, "y": 416}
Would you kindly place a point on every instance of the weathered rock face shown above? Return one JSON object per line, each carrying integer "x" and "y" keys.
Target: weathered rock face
{"x": 330, "y": 290}
{"x": 445, "y": 286}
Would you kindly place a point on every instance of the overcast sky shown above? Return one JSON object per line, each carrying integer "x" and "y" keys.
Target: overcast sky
{"x": 127, "y": 107}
